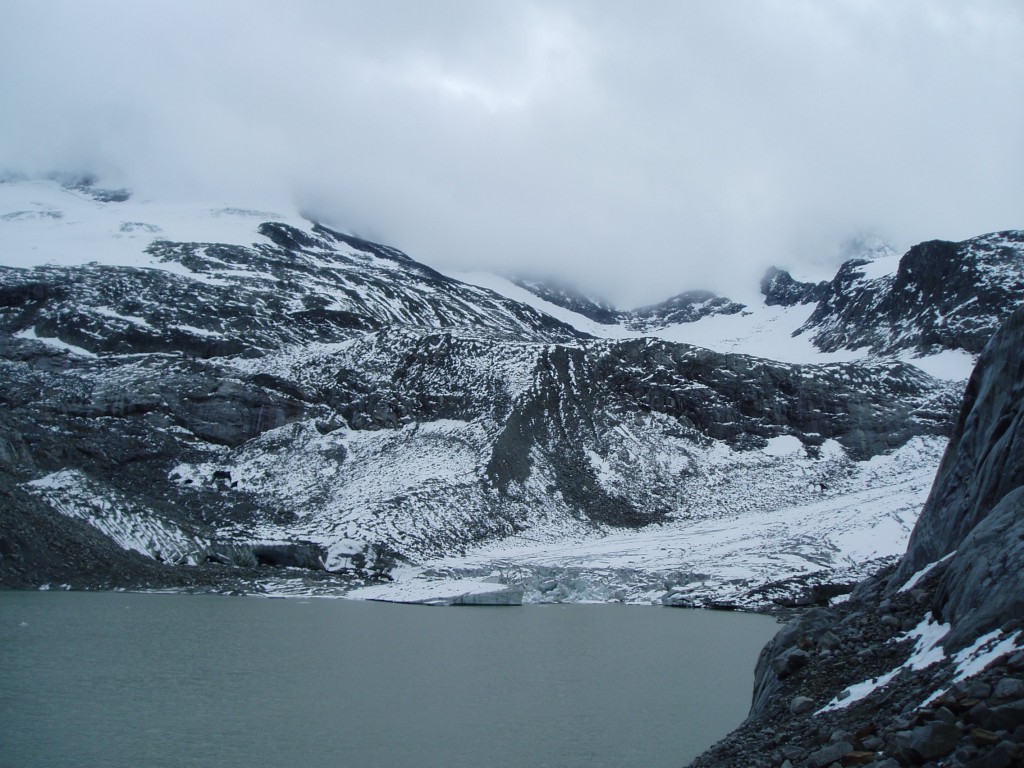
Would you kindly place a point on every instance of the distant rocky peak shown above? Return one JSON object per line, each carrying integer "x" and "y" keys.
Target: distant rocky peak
{"x": 686, "y": 307}
{"x": 86, "y": 184}
{"x": 780, "y": 289}
{"x": 943, "y": 295}
{"x": 561, "y": 295}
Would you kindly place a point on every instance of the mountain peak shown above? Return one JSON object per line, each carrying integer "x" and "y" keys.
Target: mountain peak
{"x": 780, "y": 289}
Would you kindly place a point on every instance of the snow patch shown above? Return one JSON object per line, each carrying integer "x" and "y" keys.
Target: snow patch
{"x": 53, "y": 342}
{"x": 64, "y": 227}
{"x": 914, "y": 580}
{"x": 985, "y": 650}
{"x": 784, "y": 445}
{"x": 949, "y": 365}
{"x": 884, "y": 265}
{"x": 927, "y": 651}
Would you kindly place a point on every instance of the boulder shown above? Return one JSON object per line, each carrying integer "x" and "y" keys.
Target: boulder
{"x": 801, "y": 704}
{"x": 1009, "y": 688}
{"x": 830, "y": 754}
{"x": 1008, "y": 716}
{"x": 928, "y": 742}
{"x": 789, "y": 662}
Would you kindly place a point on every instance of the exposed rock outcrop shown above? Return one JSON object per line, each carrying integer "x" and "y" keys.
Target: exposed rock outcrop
{"x": 985, "y": 458}
{"x": 780, "y": 289}
{"x": 686, "y": 307}
{"x": 924, "y": 662}
{"x": 943, "y": 296}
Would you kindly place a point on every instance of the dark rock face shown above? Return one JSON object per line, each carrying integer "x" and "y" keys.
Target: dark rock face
{"x": 738, "y": 398}
{"x": 976, "y": 507}
{"x": 290, "y": 555}
{"x": 944, "y": 296}
{"x": 983, "y": 587}
{"x": 985, "y": 458}
{"x": 781, "y": 290}
{"x": 937, "y": 711}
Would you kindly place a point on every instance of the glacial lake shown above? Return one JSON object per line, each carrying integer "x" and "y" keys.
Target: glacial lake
{"x": 145, "y": 681}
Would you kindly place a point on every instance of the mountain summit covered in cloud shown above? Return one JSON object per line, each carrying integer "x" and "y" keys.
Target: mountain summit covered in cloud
{"x": 631, "y": 154}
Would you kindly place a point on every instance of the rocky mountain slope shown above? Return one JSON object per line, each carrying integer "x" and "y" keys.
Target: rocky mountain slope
{"x": 925, "y": 663}
{"x": 215, "y": 387}
{"x": 943, "y": 296}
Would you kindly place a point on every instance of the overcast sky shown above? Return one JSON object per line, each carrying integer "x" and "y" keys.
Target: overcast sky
{"x": 637, "y": 149}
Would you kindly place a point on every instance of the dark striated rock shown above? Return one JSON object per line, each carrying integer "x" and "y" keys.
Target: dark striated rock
{"x": 983, "y": 462}
{"x": 992, "y": 553}
{"x": 975, "y": 506}
{"x": 229, "y": 412}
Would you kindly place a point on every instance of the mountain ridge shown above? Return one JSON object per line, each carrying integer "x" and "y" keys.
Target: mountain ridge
{"x": 315, "y": 388}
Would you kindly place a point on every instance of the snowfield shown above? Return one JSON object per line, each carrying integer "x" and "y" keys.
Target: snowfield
{"x": 725, "y": 560}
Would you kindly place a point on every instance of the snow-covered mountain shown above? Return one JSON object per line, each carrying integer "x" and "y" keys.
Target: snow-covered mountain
{"x": 228, "y": 388}
{"x": 935, "y": 307}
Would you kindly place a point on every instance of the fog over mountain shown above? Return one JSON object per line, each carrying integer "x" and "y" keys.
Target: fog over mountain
{"x": 634, "y": 152}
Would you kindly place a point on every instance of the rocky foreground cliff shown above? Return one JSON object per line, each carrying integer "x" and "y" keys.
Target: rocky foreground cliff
{"x": 924, "y": 664}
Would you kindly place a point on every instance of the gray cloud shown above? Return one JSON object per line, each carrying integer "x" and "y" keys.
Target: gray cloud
{"x": 637, "y": 150}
